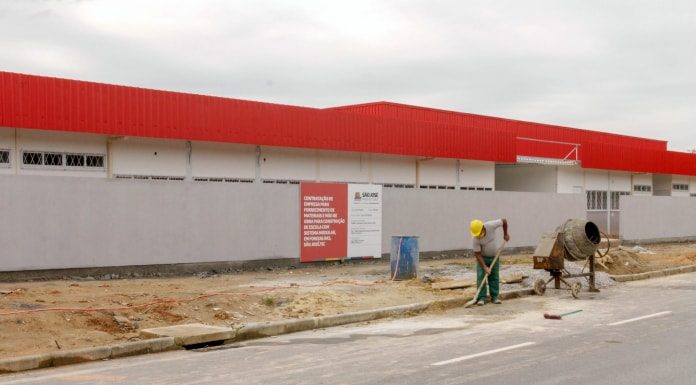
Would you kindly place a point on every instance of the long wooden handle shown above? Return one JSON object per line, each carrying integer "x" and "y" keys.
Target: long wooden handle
{"x": 485, "y": 279}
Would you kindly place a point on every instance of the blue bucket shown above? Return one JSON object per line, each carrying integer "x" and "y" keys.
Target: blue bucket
{"x": 404, "y": 257}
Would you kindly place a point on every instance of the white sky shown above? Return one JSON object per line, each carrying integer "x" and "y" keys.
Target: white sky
{"x": 624, "y": 66}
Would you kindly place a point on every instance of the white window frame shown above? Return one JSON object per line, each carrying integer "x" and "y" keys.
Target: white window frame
{"x": 64, "y": 166}
{"x": 597, "y": 200}
{"x": 616, "y": 197}
{"x": 680, "y": 187}
{"x": 9, "y": 158}
{"x": 642, "y": 188}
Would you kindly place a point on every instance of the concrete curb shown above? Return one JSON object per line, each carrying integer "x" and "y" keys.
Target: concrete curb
{"x": 18, "y": 364}
{"x": 247, "y": 332}
{"x": 267, "y": 329}
{"x": 654, "y": 274}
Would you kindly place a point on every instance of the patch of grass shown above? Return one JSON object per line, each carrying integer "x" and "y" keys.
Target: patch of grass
{"x": 268, "y": 301}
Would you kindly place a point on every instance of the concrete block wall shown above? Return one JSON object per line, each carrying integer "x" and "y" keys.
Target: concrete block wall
{"x": 441, "y": 217}
{"x": 60, "y": 222}
{"x": 55, "y": 222}
{"x": 658, "y": 218}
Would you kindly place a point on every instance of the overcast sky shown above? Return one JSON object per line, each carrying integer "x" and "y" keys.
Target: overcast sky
{"x": 619, "y": 66}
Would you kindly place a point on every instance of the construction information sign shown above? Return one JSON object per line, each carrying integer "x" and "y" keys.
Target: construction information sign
{"x": 340, "y": 221}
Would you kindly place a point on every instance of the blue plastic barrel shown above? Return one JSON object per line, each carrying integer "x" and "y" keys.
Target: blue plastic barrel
{"x": 404, "y": 257}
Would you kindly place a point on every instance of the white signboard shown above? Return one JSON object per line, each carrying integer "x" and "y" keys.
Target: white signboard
{"x": 364, "y": 220}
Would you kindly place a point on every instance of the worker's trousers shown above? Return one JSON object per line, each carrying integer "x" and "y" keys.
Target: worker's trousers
{"x": 493, "y": 279}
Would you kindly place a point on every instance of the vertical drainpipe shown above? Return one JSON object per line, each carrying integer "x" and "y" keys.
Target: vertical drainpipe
{"x": 16, "y": 153}
{"x": 609, "y": 202}
{"x": 257, "y": 166}
{"x": 189, "y": 169}
{"x": 109, "y": 162}
{"x": 459, "y": 182}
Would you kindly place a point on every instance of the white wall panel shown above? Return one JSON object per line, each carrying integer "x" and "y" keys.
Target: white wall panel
{"x": 393, "y": 169}
{"x": 342, "y": 166}
{"x": 437, "y": 172}
{"x": 223, "y": 160}
{"x": 621, "y": 181}
{"x": 681, "y": 180}
{"x": 154, "y": 157}
{"x": 474, "y": 173}
{"x": 44, "y": 140}
{"x": 525, "y": 177}
{"x": 289, "y": 164}
{"x": 642, "y": 179}
{"x": 571, "y": 180}
{"x": 596, "y": 180}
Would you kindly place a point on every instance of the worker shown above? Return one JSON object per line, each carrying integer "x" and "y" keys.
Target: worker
{"x": 485, "y": 248}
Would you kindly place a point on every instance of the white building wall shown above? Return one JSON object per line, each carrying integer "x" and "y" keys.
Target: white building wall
{"x": 278, "y": 163}
{"x": 680, "y": 179}
{"x": 56, "y": 141}
{"x": 644, "y": 180}
{"x": 437, "y": 172}
{"x": 596, "y": 180}
{"x": 571, "y": 180}
{"x": 621, "y": 181}
{"x": 342, "y": 166}
{"x": 525, "y": 177}
{"x": 150, "y": 157}
{"x": 223, "y": 160}
{"x": 393, "y": 169}
{"x": 662, "y": 185}
{"x": 477, "y": 174}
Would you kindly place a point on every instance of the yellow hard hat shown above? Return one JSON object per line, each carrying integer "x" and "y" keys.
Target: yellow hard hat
{"x": 476, "y": 227}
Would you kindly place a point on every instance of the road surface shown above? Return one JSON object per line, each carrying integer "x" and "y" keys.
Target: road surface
{"x": 637, "y": 333}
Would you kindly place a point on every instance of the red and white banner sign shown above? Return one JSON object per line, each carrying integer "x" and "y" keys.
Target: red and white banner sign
{"x": 340, "y": 221}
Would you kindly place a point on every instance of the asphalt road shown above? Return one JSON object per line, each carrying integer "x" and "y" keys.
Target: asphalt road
{"x": 637, "y": 333}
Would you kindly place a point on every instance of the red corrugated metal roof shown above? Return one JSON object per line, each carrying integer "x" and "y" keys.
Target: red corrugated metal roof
{"x": 598, "y": 150}
{"x": 28, "y": 101}
{"x": 38, "y": 102}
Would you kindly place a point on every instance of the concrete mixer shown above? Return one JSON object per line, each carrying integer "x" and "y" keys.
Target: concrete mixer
{"x": 575, "y": 240}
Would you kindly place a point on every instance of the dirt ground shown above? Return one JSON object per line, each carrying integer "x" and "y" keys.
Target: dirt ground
{"x": 65, "y": 314}
{"x": 640, "y": 259}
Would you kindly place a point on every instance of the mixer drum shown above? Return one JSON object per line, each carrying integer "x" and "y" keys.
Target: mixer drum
{"x": 581, "y": 239}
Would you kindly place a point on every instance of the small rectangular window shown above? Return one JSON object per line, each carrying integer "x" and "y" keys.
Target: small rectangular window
{"x": 74, "y": 160}
{"x": 680, "y": 187}
{"x": 94, "y": 161}
{"x": 53, "y": 159}
{"x": 32, "y": 158}
{"x": 642, "y": 188}
{"x": 4, "y": 158}
{"x": 615, "y": 196}
{"x": 596, "y": 200}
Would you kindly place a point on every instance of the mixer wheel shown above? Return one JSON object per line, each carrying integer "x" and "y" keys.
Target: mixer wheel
{"x": 539, "y": 286}
{"x": 575, "y": 289}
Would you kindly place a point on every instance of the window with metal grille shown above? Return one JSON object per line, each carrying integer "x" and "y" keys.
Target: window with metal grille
{"x": 32, "y": 158}
{"x": 94, "y": 161}
{"x": 642, "y": 188}
{"x": 596, "y": 200}
{"x": 62, "y": 160}
{"x": 53, "y": 159}
{"x": 4, "y": 158}
{"x": 680, "y": 187}
{"x": 615, "y": 198}
{"x": 75, "y": 160}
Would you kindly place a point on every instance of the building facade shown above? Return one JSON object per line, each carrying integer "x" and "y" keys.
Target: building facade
{"x": 71, "y": 128}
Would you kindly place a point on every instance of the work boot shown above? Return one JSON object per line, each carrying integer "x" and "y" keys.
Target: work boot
{"x": 497, "y": 301}
{"x": 481, "y": 302}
